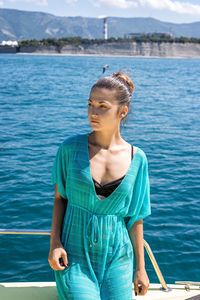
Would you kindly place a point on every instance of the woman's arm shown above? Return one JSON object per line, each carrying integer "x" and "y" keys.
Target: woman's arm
{"x": 57, "y": 219}
{"x": 57, "y": 258}
{"x": 141, "y": 280}
{"x": 136, "y": 236}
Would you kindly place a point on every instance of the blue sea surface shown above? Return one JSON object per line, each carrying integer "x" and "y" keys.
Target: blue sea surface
{"x": 44, "y": 100}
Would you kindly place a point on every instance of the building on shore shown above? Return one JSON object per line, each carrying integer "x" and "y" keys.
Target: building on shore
{"x": 9, "y": 46}
{"x": 141, "y": 34}
{"x": 9, "y": 43}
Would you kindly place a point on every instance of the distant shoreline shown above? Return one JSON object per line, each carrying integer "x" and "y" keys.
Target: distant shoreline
{"x": 112, "y": 49}
{"x": 105, "y": 55}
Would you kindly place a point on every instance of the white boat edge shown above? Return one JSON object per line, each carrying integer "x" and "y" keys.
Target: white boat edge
{"x": 155, "y": 291}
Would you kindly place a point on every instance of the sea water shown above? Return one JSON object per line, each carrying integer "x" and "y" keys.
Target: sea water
{"x": 44, "y": 101}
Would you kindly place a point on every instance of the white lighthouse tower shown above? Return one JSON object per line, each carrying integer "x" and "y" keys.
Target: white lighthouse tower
{"x": 105, "y": 28}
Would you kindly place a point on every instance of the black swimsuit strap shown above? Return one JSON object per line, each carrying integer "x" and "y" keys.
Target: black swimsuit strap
{"x": 114, "y": 182}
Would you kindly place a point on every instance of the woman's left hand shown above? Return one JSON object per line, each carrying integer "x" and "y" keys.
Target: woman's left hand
{"x": 141, "y": 282}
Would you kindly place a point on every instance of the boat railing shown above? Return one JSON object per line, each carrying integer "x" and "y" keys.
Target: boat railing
{"x": 47, "y": 232}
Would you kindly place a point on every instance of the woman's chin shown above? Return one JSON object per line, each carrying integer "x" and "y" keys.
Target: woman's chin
{"x": 95, "y": 128}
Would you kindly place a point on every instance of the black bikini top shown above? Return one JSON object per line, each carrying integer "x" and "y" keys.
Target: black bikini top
{"x": 106, "y": 189}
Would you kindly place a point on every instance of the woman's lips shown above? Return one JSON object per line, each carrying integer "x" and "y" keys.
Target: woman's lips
{"x": 94, "y": 121}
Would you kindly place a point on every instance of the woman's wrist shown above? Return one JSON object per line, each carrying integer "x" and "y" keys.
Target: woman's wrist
{"x": 55, "y": 242}
{"x": 140, "y": 267}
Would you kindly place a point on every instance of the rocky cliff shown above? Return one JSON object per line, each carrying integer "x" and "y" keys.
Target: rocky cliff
{"x": 128, "y": 48}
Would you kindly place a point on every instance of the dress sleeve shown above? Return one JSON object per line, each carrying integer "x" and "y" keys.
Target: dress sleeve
{"x": 140, "y": 206}
{"x": 59, "y": 170}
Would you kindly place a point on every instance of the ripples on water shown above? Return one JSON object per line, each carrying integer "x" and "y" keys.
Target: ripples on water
{"x": 43, "y": 101}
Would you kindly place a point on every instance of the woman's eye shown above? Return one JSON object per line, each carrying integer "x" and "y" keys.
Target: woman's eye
{"x": 101, "y": 106}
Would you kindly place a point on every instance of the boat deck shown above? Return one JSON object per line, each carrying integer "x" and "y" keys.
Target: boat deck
{"x": 47, "y": 291}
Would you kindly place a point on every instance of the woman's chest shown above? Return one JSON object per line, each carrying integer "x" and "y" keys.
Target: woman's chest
{"x": 106, "y": 167}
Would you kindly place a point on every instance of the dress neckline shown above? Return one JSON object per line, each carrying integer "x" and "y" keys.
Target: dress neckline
{"x": 90, "y": 176}
{"x": 108, "y": 183}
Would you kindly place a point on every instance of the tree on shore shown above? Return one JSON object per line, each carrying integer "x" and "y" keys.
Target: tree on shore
{"x": 77, "y": 40}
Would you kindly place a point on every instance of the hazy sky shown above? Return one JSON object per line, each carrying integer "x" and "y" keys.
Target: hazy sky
{"x": 176, "y": 11}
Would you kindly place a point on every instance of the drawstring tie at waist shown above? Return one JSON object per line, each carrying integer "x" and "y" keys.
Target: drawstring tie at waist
{"x": 93, "y": 228}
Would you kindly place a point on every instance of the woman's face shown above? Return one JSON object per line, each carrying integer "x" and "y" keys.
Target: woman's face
{"x": 103, "y": 109}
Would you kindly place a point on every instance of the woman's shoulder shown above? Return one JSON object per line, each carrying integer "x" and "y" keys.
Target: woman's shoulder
{"x": 76, "y": 137}
{"x": 73, "y": 141}
{"x": 141, "y": 154}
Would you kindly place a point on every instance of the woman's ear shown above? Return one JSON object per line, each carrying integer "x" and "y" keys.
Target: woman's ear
{"x": 123, "y": 111}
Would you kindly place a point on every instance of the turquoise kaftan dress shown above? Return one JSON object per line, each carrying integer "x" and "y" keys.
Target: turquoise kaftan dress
{"x": 94, "y": 232}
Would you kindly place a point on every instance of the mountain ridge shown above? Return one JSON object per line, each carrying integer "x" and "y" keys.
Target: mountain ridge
{"x": 22, "y": 25}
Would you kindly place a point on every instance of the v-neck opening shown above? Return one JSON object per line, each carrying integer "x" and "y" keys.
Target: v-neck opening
{"x": 91, "y": 178}
{"x": 109, "y": 183}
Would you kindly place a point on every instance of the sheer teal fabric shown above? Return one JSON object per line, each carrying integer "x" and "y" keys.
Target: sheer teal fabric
{"x": 59, "y": 170}
{"x": 95, "y": 231}
{"x": 140, "y": 206}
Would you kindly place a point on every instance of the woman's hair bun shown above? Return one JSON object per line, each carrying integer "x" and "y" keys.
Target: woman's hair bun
{"x": 125, "y": 79}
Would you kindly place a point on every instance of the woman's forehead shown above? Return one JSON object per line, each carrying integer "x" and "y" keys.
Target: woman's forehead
{"x": 103, "y": 94}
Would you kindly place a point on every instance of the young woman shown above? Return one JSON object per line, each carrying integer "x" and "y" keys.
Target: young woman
{"x": 102, "y": 194}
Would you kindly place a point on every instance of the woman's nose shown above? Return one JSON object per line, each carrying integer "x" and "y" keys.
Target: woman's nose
{"x": 94, "y": 111}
